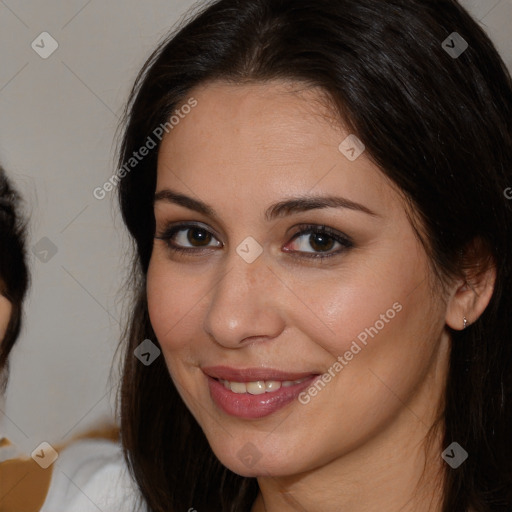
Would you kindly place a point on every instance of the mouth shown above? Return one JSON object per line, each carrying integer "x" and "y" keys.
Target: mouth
{"x": 255, "y": 392}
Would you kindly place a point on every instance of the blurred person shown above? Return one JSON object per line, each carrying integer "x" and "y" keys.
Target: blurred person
{"x": 89, "y": 473}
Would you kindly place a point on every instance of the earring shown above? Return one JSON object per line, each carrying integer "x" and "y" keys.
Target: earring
{"x": 465, "y": 323}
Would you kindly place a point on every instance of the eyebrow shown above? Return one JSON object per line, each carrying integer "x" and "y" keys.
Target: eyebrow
{"x": 274, "y": 211}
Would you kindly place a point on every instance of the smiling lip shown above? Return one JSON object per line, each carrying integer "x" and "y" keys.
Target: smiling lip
{"x": 246, "y": 405}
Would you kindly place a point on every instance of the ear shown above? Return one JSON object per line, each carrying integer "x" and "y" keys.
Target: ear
{"x": 471, "y": 295}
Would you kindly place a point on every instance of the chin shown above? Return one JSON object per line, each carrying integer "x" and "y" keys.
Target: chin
{"x": 245, "y": 459}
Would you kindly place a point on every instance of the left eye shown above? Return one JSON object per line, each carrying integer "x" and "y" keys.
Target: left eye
{"x": 322, "y": 240}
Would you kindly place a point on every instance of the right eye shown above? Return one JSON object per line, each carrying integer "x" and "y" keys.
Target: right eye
{"x": 176, "y": 237}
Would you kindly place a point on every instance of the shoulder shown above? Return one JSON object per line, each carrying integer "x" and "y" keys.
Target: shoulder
{"x": 23, "y": 483}
{"x": 91, "y": 475}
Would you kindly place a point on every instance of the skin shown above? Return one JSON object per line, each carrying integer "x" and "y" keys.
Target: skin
{"x": 358, "y": 445}
{"x": 5, "y": 315}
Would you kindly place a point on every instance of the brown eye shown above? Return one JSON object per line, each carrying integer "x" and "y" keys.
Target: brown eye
{"x": 322, "y": 240}
{"x": 187, "y": 238}
{"x": 199, "y": 236}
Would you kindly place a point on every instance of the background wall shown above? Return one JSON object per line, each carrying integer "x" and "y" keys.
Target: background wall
{"x": 58, "y": 117}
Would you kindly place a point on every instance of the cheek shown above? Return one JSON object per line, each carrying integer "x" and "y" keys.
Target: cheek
{"x": 384, "y": 341}
{"x": 173, "y": 303}
{"x": 382, "y": 299}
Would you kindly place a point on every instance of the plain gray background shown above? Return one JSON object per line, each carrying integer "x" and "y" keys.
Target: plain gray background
{"x": 58, "y": 118}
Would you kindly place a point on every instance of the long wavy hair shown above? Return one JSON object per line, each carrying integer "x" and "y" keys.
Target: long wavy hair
{"x": 438, "y": 125}
{"x": 14, "y": 276}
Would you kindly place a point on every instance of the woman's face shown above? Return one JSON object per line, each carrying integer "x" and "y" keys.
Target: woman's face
{"x": 252, "y": 301}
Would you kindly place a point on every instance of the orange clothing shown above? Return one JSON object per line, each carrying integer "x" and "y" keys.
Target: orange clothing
{"x": 24, "y": 483}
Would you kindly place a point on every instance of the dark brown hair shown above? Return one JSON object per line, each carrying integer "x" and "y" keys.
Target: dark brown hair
{"x": 14, "y": 276}
{"x": 439, "y": 126}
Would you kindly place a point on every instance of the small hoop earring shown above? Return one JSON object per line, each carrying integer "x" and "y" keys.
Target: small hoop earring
{"x": 465, "y": 323}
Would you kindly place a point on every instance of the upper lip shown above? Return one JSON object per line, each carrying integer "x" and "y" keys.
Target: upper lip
{"x": 252, "y": 374}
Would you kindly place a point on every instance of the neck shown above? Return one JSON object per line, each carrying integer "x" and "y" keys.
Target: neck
{"x": 372, "y": 479}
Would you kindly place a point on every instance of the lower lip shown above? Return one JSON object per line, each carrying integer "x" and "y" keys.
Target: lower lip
{"x": 245, "y": 405}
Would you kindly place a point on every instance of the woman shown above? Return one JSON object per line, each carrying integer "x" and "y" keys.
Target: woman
{"x": 14, "y": 279}
{"x": 322, "y": 275}
{"x": 88, "y": 474}
{"x": 13, "y": 272}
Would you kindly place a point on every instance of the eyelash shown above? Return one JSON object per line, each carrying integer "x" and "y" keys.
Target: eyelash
{"x": 342, "y": 239}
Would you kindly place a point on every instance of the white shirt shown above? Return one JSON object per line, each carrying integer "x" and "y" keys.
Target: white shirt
{"x": 91, "y": 476}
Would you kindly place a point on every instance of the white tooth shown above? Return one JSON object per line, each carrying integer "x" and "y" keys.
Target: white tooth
{"x": 272, "y": 385}
{"x": 256, "y": 388}
{"x": 259, "y": 387}
{"x": 238, "y": 387}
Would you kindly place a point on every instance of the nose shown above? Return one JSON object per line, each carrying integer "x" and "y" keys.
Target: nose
{"x": 244, "y": 305}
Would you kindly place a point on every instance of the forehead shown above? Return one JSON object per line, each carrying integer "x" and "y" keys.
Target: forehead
{"x": 271, "y": 116}
{"x": 271, "y": 139}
